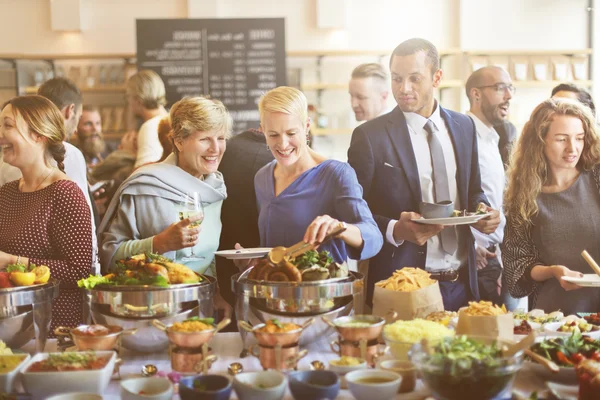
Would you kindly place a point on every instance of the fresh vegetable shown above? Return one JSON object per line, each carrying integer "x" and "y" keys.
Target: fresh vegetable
{"x": 460, "y": 355}
{"x": 5, "y": 282}
{"x": 569, "y": 351}
{"x": 209, "y": 321}
{"x": 310, "y": 258}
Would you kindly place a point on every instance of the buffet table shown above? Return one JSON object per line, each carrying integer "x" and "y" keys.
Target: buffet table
{"x": 227, "y": 346}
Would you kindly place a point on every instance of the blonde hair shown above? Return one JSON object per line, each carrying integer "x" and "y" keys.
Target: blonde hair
{"x": 42, "y": 117}
{"x": 370, "y": 70}
{"x": 192, "y": 114}
{"x": 529, "y": 168}
{"x": 147, "y": 86}
{"x": 284, "y": 99}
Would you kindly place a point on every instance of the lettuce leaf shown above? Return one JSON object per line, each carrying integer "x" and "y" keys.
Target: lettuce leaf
{"x": 92, "y": 281}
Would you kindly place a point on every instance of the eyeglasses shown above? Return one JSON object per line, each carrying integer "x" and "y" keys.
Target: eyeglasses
{"x": 501, "y": 88}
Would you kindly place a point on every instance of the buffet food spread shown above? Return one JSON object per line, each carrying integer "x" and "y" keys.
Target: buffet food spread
{"x": 451, "y": 364}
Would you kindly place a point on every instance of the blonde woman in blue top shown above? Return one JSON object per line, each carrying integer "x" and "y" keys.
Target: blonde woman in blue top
{"x": 301, "y": 195}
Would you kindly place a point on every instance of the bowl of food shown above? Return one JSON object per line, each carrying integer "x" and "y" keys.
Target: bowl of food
{"x": 400, "y": 336}
{"x": 373, "y": 384}
{"x": 443, "y": 209}
{"x": 275, "y": 332}
{"x": 206, "y": 387}
{"x": 446, "y": 318}
{"x": 537, "y": 318}
{"x": 93, "y": 337}
{"x": 567, "y": 353}
{"x": 357, "y": 327}
{"x": 406, "y": 369}
{"x": 47, "y": 374}
{"x": 192, "y": 332}
{"x": 464, "y": 367}
{"x": 316, "y": 385}
{"x": 264, "y": 385}
{"x": 344, "y": 365}
{"x": 10, "y": 365}
{"x": 568, "y": 328}
{"x": 154, "y": 388}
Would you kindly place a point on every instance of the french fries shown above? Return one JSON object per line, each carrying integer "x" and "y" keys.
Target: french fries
{"x": 407, "y": 279}
{"x": 484, "y": 308}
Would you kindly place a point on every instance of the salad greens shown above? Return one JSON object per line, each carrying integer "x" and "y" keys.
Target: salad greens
{"x": 460, "y": 355}
{"x": 312, "y": 257}
{"x": 567, "y": 351}
{"x": 20, "y": 267}
{"x": 208, "y": 321}
{"x": 121, "y": 279}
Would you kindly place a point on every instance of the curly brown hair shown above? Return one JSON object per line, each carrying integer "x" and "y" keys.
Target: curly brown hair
{"x": 529, "y": 167}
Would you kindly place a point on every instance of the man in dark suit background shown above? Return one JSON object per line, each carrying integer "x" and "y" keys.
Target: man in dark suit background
{"x": 246, "y": 153}
{"x": 421, "y": 152}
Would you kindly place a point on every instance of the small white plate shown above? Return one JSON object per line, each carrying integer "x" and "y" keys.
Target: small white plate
{"x": 552, "y": 329}
{"x": 588, "y": 280}
{"x": 244, "y": 253}
{"x": 565, "y": 392}
{"x": 451, "y": 221}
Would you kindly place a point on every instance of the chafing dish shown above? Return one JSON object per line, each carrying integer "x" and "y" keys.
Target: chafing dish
{"x": 272, "y": 339}
{"x": 26, "y": 312}
{"x": 296, "y": 302}
{"x": 190, "y": 339}
{"x": 134, "y": 307}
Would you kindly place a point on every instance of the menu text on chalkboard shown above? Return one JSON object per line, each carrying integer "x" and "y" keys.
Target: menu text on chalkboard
{"x": 232, "y": 60}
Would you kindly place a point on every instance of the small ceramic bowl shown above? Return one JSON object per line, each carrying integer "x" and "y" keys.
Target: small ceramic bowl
{"x": 373, "y": 384}
{"x": 315, "y": 385}
{"x": 406, "y": 369}
{"x": 154, "y": 388}
{"x": 443, "y": 209}
{"x": 342, "y": 370}
{"x": 264, "y": 385}
{"x": 206, "y": 387}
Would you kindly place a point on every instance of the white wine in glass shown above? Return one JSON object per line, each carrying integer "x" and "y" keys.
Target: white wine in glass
{"x": 191, "y": 206}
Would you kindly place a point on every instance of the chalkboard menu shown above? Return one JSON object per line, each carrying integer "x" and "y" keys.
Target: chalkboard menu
{"x": 232, "y": 60}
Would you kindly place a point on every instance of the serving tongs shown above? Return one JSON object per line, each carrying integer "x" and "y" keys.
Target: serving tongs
{"x": 591, "y": 262}
{"x": 524, "y": 346}
{"x": 280, "y": 253}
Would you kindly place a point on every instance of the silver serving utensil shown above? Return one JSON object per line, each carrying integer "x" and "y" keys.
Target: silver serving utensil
{"x": 149, "y": 370}
{"x": 317, "y": 365}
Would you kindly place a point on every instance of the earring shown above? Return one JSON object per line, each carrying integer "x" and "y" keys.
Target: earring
{"x": 268, "y": 147}
{"x": 308, "y": 142}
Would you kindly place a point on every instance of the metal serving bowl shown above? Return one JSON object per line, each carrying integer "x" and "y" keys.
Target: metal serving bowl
{"x": 101, "y": 342}
{"x": 190, "y": 339}
{"x": 26, "y": 312}
{"x": 356, "y": 333}
{"x": 271, "y": 339}
{"x": 134, "y": 307}
{"x": 258, "y": 302}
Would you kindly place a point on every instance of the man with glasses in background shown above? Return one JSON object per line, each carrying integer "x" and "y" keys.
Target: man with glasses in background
{"x": 490, "y": 90}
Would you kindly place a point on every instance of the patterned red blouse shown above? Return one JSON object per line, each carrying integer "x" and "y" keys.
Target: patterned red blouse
{"x": 51, "y": 226}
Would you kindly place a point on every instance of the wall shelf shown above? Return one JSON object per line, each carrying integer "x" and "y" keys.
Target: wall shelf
{"x": 451, "y": 83}
{"x": 330, "y": 131}
{"x": 548, "y": 84}
{"x": 566, "y": 52}
{"x": 98, "y": 89}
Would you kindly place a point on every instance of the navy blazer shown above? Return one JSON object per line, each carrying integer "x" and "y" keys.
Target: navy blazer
{"x": 391, "y": 189}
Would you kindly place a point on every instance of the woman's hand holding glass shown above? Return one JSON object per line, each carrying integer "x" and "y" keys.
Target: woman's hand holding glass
{"x": 179, "y": 235}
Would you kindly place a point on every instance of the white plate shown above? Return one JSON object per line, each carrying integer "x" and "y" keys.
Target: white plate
{"x": 552, "y": 328}
{"x": 588, "y": 280}
{"x": 564, "y": 375}
{"x": 471, "y": 219}
{"x": 564, "y": 392}
{"x": 244, "y": 253}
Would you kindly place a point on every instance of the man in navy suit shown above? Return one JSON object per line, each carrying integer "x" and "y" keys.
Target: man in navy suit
{"x": 421, "y": 152}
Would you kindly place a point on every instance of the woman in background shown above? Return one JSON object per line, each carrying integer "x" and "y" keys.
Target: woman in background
{"x": 553, "y": 208}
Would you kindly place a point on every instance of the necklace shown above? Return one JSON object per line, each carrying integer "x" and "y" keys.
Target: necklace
{"x": 40, "y": 184}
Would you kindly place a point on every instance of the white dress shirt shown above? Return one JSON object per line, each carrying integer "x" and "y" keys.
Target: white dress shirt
{"x": 437, "y": 258}
{"x": 76, "y": 170}
{"x": 149, "y": 148}
{"x": 493, "y": 178}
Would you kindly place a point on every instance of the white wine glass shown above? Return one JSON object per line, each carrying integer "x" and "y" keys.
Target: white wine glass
{"x": 191, "y": 206}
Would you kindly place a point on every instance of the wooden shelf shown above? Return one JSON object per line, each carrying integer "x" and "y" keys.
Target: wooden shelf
{"x": 98, "y": 89}
{"x": 330, "y": 131}
{"x": 19, "y": 56}
{"x": 548, "y": 84}
{"x": 452, "y": 83}
{"x": 568, "y": 52}
{"x": 353, "y": 53}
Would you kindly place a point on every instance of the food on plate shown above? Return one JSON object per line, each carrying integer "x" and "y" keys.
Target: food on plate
{"x": 577, "y": 326}
{"x": 275, "y": 326}
{"x": 401, "y": 335}
{"x": 441, "y": 317}
{"x": 10, "y": 362}
{"x": 523, "y": 328}
{"x": 464, "y": 213}
{"x": 354, "y": 324}
{"x": 568, "y": 351}
{"x": 346, "y": 361}
{"x": 144, "y": 269}
{"x": 96, "y": 330}
{"x": 593, "y": 318}
{"x": 73, "y": 361}
{"x": 4, "y": 351}
{"x": 485, "y": 308}
{"x": 374, "y": 380}
{"x": 24, "y": 275}
{"x": 466, "y": 368}
{"x": 588, "y": 374}
{"x": 539, "y": 316}
{"x": 308, "y": 267}
{"x": 194, "y": 324}
{"x": 407, "y": 279}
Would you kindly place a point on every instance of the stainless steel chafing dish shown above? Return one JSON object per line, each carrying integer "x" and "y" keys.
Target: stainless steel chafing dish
{"x": 259, "y": 301}
{"x": 134, "y": 307}
{"x": 26, "y": 312}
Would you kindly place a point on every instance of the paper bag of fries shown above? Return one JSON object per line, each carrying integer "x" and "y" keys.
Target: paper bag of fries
{"x": 485, "y": 319}
{"x": 410, "y": 293}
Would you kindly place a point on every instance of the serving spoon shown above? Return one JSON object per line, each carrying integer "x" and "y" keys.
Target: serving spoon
{"x": 591, "y": 262}
{"x": 280, "y": 253}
